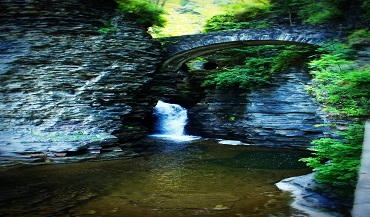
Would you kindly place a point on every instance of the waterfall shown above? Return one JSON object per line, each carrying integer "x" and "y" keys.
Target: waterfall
{"x": 172, "y": 118}
{"x": 171, "y": 121}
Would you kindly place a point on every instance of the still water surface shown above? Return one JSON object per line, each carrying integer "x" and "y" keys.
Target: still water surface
{"x": 169, "y": 179}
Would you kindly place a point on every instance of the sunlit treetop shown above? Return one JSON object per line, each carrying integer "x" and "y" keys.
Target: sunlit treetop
{"x": 189, "y": 16}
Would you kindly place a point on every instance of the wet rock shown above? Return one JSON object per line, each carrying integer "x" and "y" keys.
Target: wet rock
{"x": 220, "y": 207}
{"x": 63, "y": 84}
{"x": 282, "y": 114}
{"x": 308, "y": 200}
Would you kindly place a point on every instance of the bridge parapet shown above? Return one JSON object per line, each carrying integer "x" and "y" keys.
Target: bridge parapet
{"x": 180, "y": 49}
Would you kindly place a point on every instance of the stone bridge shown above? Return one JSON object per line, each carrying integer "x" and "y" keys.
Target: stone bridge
{"x": 181, "y": 49}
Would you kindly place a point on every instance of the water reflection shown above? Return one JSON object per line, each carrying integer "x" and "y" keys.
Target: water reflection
{"x": 199, "y": 178}
{"x": 266, "y": 158}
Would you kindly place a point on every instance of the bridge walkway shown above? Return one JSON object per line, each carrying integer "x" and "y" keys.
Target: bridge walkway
{"x": 361, "y": 206}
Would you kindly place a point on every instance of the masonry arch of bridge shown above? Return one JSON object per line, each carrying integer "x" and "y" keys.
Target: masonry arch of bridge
{"x": 175, "y": 62}
{"x": 179, "y": 50}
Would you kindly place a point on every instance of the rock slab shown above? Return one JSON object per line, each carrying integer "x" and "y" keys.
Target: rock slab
{"x": 64, "y": 84}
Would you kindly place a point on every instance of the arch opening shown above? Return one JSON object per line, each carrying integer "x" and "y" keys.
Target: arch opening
{"x": 176, "y": 61}
{"x": 228, "y": 113}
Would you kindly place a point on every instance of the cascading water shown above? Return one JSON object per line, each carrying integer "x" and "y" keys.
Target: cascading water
{"x": 171, "y": 121}
{"x": 172, "y": 118}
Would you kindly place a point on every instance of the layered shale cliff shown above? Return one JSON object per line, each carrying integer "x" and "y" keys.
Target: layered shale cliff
{"x": 64, "y": 85}
{"x": 282, "y": 114}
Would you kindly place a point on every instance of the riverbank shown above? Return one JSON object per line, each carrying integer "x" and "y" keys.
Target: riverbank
{"x": 308, "y": 200}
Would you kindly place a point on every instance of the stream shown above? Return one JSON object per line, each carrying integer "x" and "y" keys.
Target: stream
{"x": 194, "y": 178}
{"x": 172, "y": 175}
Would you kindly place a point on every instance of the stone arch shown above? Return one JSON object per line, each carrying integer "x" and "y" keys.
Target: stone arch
{"x": 181, "y": 49}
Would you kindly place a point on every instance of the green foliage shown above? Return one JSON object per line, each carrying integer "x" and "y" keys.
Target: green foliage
{"x": 247, "y": 67}
{"x": 221, "y": 22}
{"x": 335, "y": 47}
{"x": 142, "y": 11}
{"x": 310, "y": 11}
{"x": 286, "y": 8}
{"x": 329, "y": 63}
{"x": 366, "y": 7}
{"x": 361, "y": 36}
{"x": 254, "y": 73}
{"x": 252, "y": 12}
{"x": 107, "y": 28}
{"x": 336, "y": 162}
{"x": 228, "y": 22}
{"x": 249, "y": 17}
{"x": 341, "y": 86}
{"x": 324, "y": 11}
{"x": 291, "y": 56}
{"x": 321, "y": 11}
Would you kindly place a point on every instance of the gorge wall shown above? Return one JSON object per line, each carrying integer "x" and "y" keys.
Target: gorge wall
{"x": 282, "y": 114}
{"x": 64, "y": 85}
{"x": 67, "y": 88}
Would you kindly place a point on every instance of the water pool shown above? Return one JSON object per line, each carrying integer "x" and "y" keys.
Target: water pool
{"x": 168, "y": 179}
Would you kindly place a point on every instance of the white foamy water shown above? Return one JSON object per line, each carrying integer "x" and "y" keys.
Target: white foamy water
{"x": 171, "y": 121}
{"x": 232, "y": 142}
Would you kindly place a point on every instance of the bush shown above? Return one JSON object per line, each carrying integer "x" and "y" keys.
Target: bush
{"x": 335, "y": 47}
{"x": 341, "y": 86}
{"x": 292, "y": 56}
{"x": 326, "y": 11}
{"x": 252, "y": 12}
{"x": 251, "y": 66}
{"x": 336, "y": 162}
{"x": 366, "y": 7}
{"x": 228, "y": 22}
{"x": 108, "y": 27}
{"x": 248, "y": 17}
{"x": 144, "y": 12}
{"x": 361, "y": 36}
{"x": 254, "y": 73}
{"x": 323, "y": 12}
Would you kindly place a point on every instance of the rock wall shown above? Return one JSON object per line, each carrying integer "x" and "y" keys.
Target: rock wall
{"x": 66, "y": 86}
{"x": 279, "y": 115}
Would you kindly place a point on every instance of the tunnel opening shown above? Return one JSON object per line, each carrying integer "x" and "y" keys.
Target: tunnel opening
{"x": 210, "y": 66}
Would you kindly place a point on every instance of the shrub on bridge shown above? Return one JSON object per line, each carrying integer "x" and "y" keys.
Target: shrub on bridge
{"x": 143, "y": 12}
{"x": 248, "y": 17}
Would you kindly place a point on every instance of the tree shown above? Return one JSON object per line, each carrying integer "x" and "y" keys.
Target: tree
{"x": 242, "y": 16}
{"x": 144, "y": 11}
{"x": 323, "y": 11}
{"x": 157, "y": 2}
{"x": 287, "y": 8}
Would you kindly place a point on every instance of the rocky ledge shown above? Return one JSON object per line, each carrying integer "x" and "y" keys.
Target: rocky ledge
{"x": 282, "y": 114}
{"x": 308, "y": 199}
{"x": 66, "y": 85}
